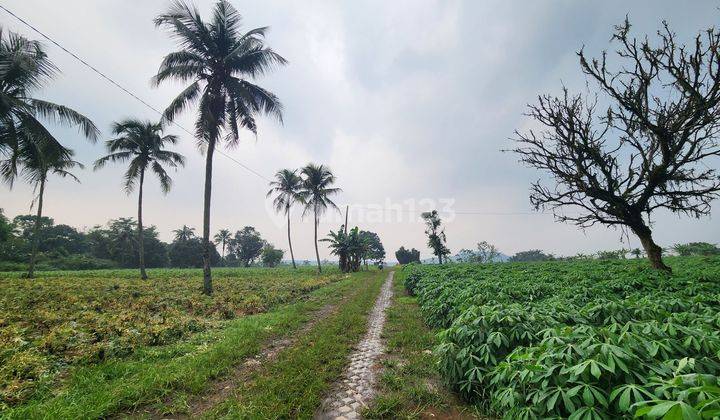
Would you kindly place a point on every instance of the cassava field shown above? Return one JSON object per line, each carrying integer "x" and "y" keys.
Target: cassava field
{"x": 585, "y": 339}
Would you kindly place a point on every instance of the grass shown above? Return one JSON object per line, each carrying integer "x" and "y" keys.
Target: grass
{"x": 294, "y": 384}
{"x": 62, "y": 381}
{"x": 409, "y": 386}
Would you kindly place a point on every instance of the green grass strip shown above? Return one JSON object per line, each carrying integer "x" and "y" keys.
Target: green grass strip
{"x": 410, "y": 386}
{"x": 294, "y": 384}
{"x": 154, "y": 372}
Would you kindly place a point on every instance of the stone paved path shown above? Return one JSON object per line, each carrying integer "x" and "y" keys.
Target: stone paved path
{"x": 356, "y": 389}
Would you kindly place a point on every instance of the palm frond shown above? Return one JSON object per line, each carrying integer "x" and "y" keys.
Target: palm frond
{"x": 113, "y": 157}
{"x": 186, "y": 98}
{"x": 132, "y": 174}
{"x": 212, "y": 54}
{"x": 182, "y": 73}
{"x": 142, "y": 143}
{"x": 63, "y": 115}
{"x": 165, "y": 180}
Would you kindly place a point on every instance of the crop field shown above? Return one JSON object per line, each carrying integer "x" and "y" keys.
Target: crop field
{"x": 585, "y": 339}
{"x": 67, "y": 319}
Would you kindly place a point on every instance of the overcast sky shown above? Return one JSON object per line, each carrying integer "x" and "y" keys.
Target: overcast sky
{"x": 408, "y": 102}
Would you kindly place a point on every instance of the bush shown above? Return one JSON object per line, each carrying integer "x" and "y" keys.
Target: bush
{"x": 81, "y": 262}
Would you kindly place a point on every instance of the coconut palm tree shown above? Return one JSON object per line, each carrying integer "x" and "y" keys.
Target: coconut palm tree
{"x": 217, "y": 59}
{"x": 223, "y": 237}
{"x": 185, "y": 233}
{"x": 316, "y": 191}
{"x": 141, "y": 143}
{"x": 25, "y": 68}
{"x": 287, "y": 187}
{"x": 37, "y": 165}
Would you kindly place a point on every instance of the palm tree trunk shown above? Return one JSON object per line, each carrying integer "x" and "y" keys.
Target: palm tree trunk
{"x": 223, "y": 255}
{"x": 207, "y": 275}
{"x": 36, "y": 230}
{"x": 141, "y": 245}
{"x": 292, "y": 256}
{"x": 317, "y": 253}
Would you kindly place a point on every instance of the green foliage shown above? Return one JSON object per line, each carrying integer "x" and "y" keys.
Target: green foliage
{"x": 247, "y": 245}
{"x": 584, "y": 339}
{"x": 187, "y": 253}
{"x": 76, "y": 262}
{"x": 374, "y": 249}
{"x": 405, "y": 256}
{"x": 612, "y": 255}
{"x": 10, "y": 243}
{"x": 271, "y": 256}
{"x": 354, "y": 247}
{"x": 222, "y": 238}
{"x": 71, "y": 319}
{"x": 118, "y": 242}
{"x": 141, "y": 144}
{"x": 696, "y": 248}
{"x": 25, "y": 141}
{"x": 64, "y": 247}
{"x": 531, "y": 255}
{"x": 6, "y": 230}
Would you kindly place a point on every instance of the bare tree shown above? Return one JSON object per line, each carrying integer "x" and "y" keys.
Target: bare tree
{"x": 487, "y": 252}
{"x": 648, "y": 150}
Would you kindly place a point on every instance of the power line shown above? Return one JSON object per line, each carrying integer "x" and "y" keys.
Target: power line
{"x": 122, "y": 88}
{"x": 239, "y": 163}
{"x": 372, "y": 207}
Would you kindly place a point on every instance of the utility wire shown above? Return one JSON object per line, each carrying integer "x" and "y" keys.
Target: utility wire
{"x": 242, "y": 165}
{"x": 122, "y": 88}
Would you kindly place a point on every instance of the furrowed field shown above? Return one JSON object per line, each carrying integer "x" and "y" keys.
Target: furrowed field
{"x": 62, "y": 320}
{"x": 585, "y": 340}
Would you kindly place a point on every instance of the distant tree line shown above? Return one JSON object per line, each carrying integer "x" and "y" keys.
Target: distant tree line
{"x": 116, "y": 245}
{"x": 696, "y": 248}
{"x": 485, "y": 252}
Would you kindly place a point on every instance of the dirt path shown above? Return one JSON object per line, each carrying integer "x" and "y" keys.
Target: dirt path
{"x": 355, "y": 390}
{"x": 221, "y": 389}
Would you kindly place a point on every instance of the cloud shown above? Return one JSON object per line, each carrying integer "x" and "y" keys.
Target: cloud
{"x": 405, "y": 100}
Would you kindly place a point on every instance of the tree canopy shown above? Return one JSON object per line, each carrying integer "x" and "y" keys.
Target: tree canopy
{"x": 247, "y": 245}
{"x": 405, "y": 256}
{"x": 271, "y": 256}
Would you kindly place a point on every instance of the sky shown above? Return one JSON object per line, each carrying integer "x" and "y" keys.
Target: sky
{"x": 408, "y": 102}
